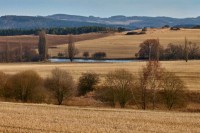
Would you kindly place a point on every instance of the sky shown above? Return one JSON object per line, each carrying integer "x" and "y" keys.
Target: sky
{"x": 102, "y": 8}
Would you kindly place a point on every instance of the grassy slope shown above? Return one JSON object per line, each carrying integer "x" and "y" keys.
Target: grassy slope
{"x": 120, "y": 45}
{"x": 188, "y": 72}
{"x": 116, "y": 45}
{"x": 50, "y": 118}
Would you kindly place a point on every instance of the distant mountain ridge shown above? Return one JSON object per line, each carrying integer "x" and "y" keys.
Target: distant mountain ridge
{"x": 134, "y": 21}
{"x": 64, "y": 20}
{"x": 29, "y": 22}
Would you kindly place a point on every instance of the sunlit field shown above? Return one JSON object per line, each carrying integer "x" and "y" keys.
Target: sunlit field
{"x": 120, "y": 45}
{"x": 50, "y": 118}
{"x": 188, "y": 72}
{"x": 117, "y": 45}
{"x": 18, "y": 117}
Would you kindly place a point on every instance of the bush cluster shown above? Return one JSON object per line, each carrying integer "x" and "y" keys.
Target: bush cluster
{"x": 154, "y": 87}
{"x": 24, "y": 86}
{"x": 99, "y": 55}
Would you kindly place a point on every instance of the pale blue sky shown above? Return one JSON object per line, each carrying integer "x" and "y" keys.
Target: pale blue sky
{"x": 102, "y": 8}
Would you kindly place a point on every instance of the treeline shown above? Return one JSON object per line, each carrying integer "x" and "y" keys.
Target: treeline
{"x": 155, "y": 88}
{"x": 18, "y": 53}
{"x": 152, "y": 49}
{"x": 55, "y": 31}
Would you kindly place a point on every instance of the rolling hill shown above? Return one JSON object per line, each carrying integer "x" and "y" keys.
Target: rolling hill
{"x": 64, "y": 20}
{"x": 29, "y": 22}
{"x": 131, "y": 22}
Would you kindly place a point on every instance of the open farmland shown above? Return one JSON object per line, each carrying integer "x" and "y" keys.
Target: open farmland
{"x": 120, "y": 45}
{"x": 116, "y": 45}
{"x": 50, "y": 118}
{"x": 188, "y": 72}
{"x": 53, "y": 40}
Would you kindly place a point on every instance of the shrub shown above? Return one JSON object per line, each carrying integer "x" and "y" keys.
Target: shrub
{"x": 86, "y": 54}
{"x": 61, "y": 85}
{"x": 61, "y": 54}
{"x": 24, "y": 86}
{"x": 121, "y": 84}
{"x": 175, "y": 28}
{"x": 99, "y": 55}
{"x": 105, "y": 94}
{"x": 87, "y": 82}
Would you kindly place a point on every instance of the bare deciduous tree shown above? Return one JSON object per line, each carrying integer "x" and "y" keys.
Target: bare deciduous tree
{"x": 173, "y": 90}
{"x": 186, "y": 50}
{"x": 20, "y": 52}
{"x": 7, "y": 52}
{"x": 43, "y": 46}
{"x": 143, "y": 89}
{"x": 121, "y": 82}
{"x": 61, "y": 84}
{"x": 150, "y": 49}
{"x": 72, "y": 51}
{"x": 193, "y": 50}
{"x": 152, "y": 75}
{"x": 158, "y": 50}
{"x": 3, "y": 80}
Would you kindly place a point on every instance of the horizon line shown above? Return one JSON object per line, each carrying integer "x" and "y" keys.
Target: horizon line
{"x": 94, "y": 16}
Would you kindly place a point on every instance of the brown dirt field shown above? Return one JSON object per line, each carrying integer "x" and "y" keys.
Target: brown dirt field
{"x": 188, "y": 72}
{"x": 50, "y": 118}
{"x": 52, "y": 39}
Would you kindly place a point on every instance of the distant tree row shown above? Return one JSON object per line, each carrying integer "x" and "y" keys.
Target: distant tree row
{"x": 152, "y": 50}
{"x": 17, "y": 53}
{"x": 25, "y": 53}
{"x": 22, "y": 53}
{"x": 56, "y": 31}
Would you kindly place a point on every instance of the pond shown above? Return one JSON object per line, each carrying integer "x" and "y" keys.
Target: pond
{"x": 54, "y": 60}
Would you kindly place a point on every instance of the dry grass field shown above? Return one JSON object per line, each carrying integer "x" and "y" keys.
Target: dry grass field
{"x": 120, "y": 45}
{"x": 188, "y": 72}
{"x": 116, "y": 45}
{"x": 31, "y": 118}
